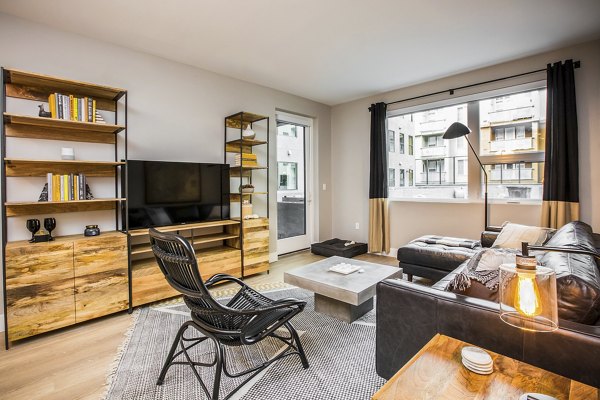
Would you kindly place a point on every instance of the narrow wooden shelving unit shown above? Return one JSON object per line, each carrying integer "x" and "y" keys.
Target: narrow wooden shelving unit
{"x": 253, "y": 234}
{"x": 73, "y": 278}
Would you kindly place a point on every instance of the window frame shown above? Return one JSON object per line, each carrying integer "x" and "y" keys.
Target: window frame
{"x": 475, "y": 181}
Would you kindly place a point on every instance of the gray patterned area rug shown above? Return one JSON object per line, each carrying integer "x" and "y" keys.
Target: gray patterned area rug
{"x": 341, "y": 357}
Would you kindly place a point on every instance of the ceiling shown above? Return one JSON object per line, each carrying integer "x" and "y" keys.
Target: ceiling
{"x": 331, "y": 51}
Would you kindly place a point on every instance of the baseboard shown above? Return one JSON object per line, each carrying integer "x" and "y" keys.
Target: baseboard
{"x": 1, "y": 322}
{"x": 393, "y": 252}
{"x": 273, "y": 257}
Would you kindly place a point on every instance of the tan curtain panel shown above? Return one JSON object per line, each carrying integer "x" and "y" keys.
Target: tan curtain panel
{"x": 558, "y": 213}
{"x": 379, "y": 226}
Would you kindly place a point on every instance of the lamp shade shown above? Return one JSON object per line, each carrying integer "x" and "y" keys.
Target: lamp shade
{"x": 528, "y": 298}
{"x": 456, "y": 130}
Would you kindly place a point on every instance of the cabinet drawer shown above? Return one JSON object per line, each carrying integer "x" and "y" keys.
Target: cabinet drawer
{"x": 100, "y": 254}
{"x": 37, "y": 263}
{"x": 34, "y": 309}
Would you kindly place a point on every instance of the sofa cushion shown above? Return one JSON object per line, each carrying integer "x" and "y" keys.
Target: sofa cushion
{"x": 576, "y": 234}
{"x": 512, "y": 235}
{"x": 437, "y": 256}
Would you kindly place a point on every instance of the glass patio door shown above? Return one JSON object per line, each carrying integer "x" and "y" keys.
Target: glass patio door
{"x": 293, "y": 194}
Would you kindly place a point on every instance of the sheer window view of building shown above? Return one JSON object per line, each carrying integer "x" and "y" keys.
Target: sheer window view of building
{"x": 514, "y": 125}
{"x": 433, "y": 164}
{"x": 512, "y": 132}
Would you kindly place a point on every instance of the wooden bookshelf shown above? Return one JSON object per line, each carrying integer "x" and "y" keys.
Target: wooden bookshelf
{"x": 96, "y": 268}
{"x": 32, "y": 168}
{"x": 235, "y": 197}
{"x": 29, "y": 127}
{"x": 242, "y": 118}
{"x": 31, "y": 86}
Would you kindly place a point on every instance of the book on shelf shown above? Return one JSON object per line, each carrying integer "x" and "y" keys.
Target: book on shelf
{"x": 72, "y": 108}
{"x": 246, "y": 159}
{"x": 71, "y": 187}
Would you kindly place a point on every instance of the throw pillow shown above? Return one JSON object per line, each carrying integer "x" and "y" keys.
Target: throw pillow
{"x": 512, "y": 235}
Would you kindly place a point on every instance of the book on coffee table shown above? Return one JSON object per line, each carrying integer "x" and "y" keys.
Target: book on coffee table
{"x": 344, "y": 268}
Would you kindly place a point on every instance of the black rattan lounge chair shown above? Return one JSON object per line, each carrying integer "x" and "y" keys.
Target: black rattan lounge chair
{"x": 247, "y": 318}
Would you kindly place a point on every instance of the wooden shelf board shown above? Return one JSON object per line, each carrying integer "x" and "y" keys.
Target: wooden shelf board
{"x": 29, "y": 168}
{"x": 183, "y": 227}
{"x": 28, "y": 85}
{"x": 247, "y": 167}
{"x": 15, "y": 209}
{"x": 145, "y": 248}
{"x": 245, "y": 142}
{"x": 61, "y": 239}
{"x": 58, "y": 129}
{"x": 246, "y": 117}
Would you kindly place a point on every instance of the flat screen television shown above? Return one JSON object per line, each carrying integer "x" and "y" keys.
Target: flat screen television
{"x": 169, "y": 193}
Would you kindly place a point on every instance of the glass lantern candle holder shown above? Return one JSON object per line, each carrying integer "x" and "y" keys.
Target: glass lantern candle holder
{"x": 528, "y": 297}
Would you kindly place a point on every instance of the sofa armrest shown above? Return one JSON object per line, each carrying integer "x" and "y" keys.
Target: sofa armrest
{"x": 488, "y": 238}
{"x": 409, "y": 315}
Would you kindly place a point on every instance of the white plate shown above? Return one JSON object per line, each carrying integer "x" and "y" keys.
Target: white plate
{"x": 537, "y": 396}
{"x": 476, "y": 356}
{"x": 477, "y": 370}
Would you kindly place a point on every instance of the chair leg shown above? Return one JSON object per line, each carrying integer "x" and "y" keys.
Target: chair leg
{"x": 169, "y": 360}
{"x": 409, "y": 277}
{"x": 303, "y": 358}
{"x": 220, "y": 355}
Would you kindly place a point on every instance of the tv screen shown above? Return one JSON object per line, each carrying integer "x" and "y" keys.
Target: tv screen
{"x": 169, "y": 193}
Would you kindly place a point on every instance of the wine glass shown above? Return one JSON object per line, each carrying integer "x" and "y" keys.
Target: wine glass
{"x": 33, "y": 225}
{"x": 50, "y": 224}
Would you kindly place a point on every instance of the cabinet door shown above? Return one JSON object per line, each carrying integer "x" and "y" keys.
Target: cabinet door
{"x": 39, "y": 288}
{"x": 256, "y": 246}
{"x": 100, "y": 275}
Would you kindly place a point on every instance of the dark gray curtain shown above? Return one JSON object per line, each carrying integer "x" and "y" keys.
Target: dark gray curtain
{"x": 379, "y": 225}
{"x": 561, "y": 170}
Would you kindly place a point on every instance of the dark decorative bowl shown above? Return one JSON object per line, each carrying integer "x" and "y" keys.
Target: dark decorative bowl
{"x": 91, "y": 230}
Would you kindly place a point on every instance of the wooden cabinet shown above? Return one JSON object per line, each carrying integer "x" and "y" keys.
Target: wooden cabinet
{"x": 56, "y": 284}
{"x": 214, "y": 251}
{"x": 255, "y": 239}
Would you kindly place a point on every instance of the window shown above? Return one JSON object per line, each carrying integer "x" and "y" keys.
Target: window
{"x": 288, "y": 175}
{"x": 511, "y": 126}
{"x": 401, "y": 141}
{"x": 392, "y": 141}
{"x": 392, "y": 178}
{"x": 427, "y": 154}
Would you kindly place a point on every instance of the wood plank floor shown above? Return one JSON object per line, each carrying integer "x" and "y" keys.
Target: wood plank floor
{"x": 73, "y": 363}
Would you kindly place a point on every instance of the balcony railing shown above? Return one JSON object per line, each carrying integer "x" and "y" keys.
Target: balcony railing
{"x": 434, "y": 151}
{"x": 512, "y": 144}
{"x": 512, "y": 174}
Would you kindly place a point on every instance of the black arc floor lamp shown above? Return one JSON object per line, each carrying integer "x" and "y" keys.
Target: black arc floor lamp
{"x": 455, "y": 131}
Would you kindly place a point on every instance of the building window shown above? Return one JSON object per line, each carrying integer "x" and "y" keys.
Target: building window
{"x": 401, "y": 177}
{"x": 392, "y": 141}
{"x": 401, "y": 141}
{"x": 392, "y": 177}
{"x": 287, "y": 130}
{"x": 288, "y": 175}
{"x": 511, "y": 127}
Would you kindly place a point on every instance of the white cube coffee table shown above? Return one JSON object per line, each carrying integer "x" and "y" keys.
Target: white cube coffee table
{"x": 345, "y": 297}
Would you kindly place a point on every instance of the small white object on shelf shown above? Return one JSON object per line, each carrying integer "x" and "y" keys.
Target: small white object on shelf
{"x": 67, "y": 153}
{"x": 344, "y": 268}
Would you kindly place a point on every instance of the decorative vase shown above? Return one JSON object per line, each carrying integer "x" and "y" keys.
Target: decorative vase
{"x": 91, "y": 230}
{"x": 248, "y": 133}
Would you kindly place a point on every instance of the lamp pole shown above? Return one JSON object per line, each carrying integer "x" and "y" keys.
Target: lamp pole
{"x": 485, "y": 180}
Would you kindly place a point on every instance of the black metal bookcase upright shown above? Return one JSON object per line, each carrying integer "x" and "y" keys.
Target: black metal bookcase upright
{"x": 253, "y": 233}
{"x": 37, "y": 88}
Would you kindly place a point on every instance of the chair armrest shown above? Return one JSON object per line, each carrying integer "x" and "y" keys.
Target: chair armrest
{"x": 223, "y": 277}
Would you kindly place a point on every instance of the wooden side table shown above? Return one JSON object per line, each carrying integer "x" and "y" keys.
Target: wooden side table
{"x": 436, "y": 372}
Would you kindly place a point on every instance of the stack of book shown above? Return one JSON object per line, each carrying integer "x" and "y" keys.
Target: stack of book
{"x": 246, "y": 159}
{"x": 66, "y": 187}
{"x": 72, "y": 108}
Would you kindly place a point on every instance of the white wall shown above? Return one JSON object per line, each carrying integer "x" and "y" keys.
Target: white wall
{"x": 350, "y": 156}
{"x": 175, "y": 112}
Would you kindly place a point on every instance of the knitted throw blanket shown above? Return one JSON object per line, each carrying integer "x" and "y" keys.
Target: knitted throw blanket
{"x": 484, "y": 267}
{"x": 448, "y": 241}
